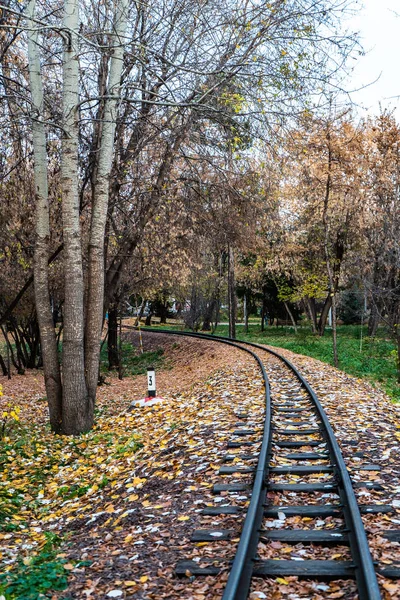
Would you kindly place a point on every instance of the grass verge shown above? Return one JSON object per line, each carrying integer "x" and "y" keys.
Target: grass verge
{"x": 133, "y": 362}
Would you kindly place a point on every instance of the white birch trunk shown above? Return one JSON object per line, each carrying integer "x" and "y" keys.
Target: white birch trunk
{"x": 95, "y": 299}
{"x": 77, "y": 411}
{"x": 48, "y": 340}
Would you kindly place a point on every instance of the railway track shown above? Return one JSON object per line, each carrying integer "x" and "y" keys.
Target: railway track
{"x": 297, "y": 442}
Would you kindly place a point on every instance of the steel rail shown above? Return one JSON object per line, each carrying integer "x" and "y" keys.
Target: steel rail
{"x": 237, "y": 586}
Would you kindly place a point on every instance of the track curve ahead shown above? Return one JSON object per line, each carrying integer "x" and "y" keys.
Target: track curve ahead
{"x": 246, "y": 564}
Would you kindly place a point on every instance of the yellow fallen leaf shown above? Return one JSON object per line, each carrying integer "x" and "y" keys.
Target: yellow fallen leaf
{"x": 143, "y": 579}
{"x": 183, "y": 518}
{"x": 133, "y": 497}
{"x": 128, "y": 538}
{"x": 130, "y": 583}
{"x": 138, "y": 480}
{"x": 281, "y": 580}
{"x": 69, "y": 567}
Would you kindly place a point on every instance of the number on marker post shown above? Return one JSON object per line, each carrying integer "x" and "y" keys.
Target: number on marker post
{"x": 151, "y": 382}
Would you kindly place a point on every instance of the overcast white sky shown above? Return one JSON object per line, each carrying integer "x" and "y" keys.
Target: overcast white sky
{"x": 379, "y": 29}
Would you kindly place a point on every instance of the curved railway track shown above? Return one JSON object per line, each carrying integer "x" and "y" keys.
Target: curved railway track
{"x": 298, "y": 422}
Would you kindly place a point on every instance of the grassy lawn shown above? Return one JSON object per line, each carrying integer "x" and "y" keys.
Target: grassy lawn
{"x": 133, "y": 362}
{"x": 375, "y": 361}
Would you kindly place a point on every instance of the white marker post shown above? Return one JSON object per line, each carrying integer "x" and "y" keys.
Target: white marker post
{"x": 151, "y": 397}
{"x": 151, "y": 383}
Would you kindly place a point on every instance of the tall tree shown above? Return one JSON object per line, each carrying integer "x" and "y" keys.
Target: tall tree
{"x": 41, "y": 280}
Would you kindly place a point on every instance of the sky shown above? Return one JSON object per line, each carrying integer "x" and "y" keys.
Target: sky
{"x": 379, "y": 30}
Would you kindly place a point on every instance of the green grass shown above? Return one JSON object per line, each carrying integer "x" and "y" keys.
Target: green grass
{"x": 37, "y": 576}
{"x": 133, "y": 362}
{"x": 376, "y": 361}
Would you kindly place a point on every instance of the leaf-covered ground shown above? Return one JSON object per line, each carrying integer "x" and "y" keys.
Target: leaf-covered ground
{"x": 117, "y": 506}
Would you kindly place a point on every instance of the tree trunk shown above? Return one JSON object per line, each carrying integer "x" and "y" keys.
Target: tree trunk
{"x": 324, "y": 314}
{"x": 209, "y": 312}
{"x": 289, "y": 312}
{"x": 334, "y": 332}
{"x": 263, "y": 307}
{"x": 231, "y": 293}
{"x": 312, "y": 313}
{"x": 120, "y": 357}
{"x": 112, "y": 340}
{"x": 140, "y": 313}
{"x": 77, "y": 408}
{"x": 51, "y": 367}
{"x": 10, "y": 353}
{"x": 373, "y": 320}
{"x": 217, "y": 312}
{"x": 96, "y": 275}
{"x": 245, "y": 314}
{"x": 3, "y": 366}
{"x": 333, "y": 280}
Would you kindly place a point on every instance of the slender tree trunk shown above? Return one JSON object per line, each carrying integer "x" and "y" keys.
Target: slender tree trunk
{"x": 334, "y": 332}
{"x": 112, "y": 340}
{"x": 332, "y": 283}
{"x": 245, "y": 314}
{"x": 4, "y": 330}
{"x": 77, "y": 409}
{"x": 140, "y": 313}
{"x": 324, "y": 314}
{"x": 208, "y": 315}
{"x": 231, "y": 293}
{"x": 51, "y": 367}
{"x": 312, "y": 313}
{"x": 10, "y": 352}
{"x": 217, "y": 312}
{"x": 3, "y": 366}
{"x": 96, "y": 275}
{"x": 373, "y": 320}
{"x": 263, "y": 307}
{"x": 120, "y": 357}
{"x": 289, "y": 312}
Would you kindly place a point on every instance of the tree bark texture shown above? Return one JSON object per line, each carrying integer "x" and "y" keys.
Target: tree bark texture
{"x": 231, "y": 292}
{"x": 112, "y": 340}
{"x": 245, "y": 314}
{"x": 373, "y": 320}
{"x": 292, "y": 319}
{"x": 77, "y": 413}
{"x": 51, "y": 367}
{"x": 96, "y": 275}
{"x": 312, "y": 313}
{"x": 324, "y": 314}
{"x": 263, "y": 311}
